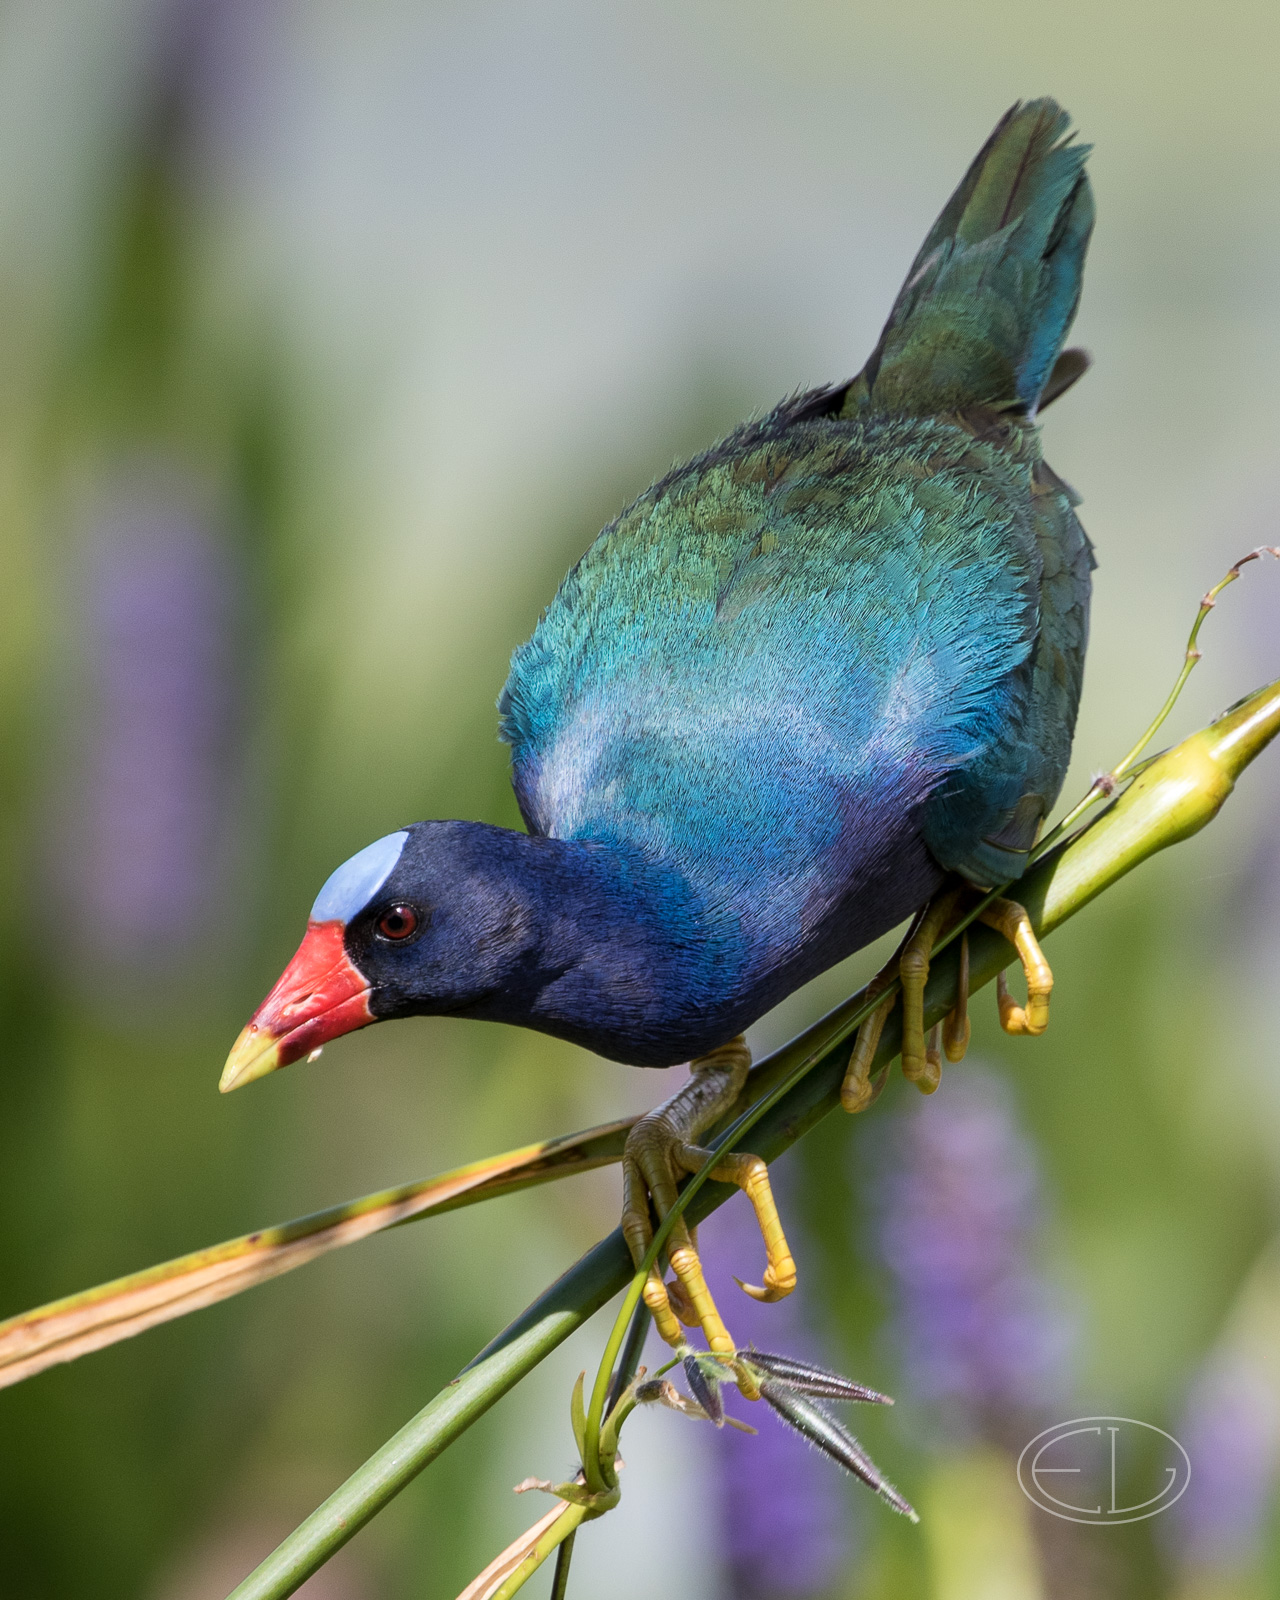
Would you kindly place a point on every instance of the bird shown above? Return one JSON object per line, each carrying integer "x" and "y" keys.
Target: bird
{"x": 818, "y": 681}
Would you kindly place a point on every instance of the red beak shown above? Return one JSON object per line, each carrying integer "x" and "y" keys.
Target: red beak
{"x": 321, "y": 995}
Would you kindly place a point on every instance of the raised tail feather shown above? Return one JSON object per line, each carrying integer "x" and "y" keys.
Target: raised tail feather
{"x": 990, "y": 298}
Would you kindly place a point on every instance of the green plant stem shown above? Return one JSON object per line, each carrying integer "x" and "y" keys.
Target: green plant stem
{"x": 564, "y": 1556}
{"x": 626, "y": 1340}
{"x": 1175, "y": 796}
{"x": 629, "y": 1360}
{"x": 613, "y": 1345}
{"x": 557, "y": 1313}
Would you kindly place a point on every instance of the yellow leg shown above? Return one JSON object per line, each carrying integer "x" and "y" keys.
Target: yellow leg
{"x": 856, "y": 1092}
{"x": 1011, "y": 919}
{"x": 660, "y": 1148}
{"x": 637, "y": 1230}
{"x": 919, "y": 1065}
{"x": 955, "y": 1030}
{"x": 752, "y": 1177}
{"x": 921, "y": 1060}
{"x": 682, "y": 1307}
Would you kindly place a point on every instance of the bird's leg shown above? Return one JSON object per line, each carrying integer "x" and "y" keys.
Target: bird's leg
{"x": 857, "y": 1091}
{"x": 921, "y": 1059}
{"x": 1011, "y": 919}
{"x": 660, "y": 1149}
{"x": 921, "y": 1063}
{"x": 955, "y": 1030}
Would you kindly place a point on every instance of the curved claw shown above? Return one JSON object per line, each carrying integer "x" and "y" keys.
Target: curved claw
{"x": 766, "y": 1292}
{"x": 1018, "y": 1019}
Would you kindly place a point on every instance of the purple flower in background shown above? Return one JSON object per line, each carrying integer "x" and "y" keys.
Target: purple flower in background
{"x": 145, "y": 826}
{"x": 1231, "y": 1432}
{"x": 979, "y": 1332}
{"x": 784, "y": 1512}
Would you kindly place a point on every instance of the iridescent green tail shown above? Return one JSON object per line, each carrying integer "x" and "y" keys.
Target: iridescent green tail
{"x": 988, "y": 302}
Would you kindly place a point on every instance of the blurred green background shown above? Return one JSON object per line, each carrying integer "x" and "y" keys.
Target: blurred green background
{"x": 329, "y": 334}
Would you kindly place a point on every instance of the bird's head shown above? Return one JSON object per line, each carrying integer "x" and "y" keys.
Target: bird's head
{"x": 428, "y": 919}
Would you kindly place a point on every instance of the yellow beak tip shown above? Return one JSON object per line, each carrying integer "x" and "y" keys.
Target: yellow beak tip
{"x": 252, "y": 1056}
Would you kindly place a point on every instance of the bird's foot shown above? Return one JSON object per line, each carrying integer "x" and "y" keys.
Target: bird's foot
{"x": 660, "y": 1150}
{"x": 858, "y": 1091}
{"x": 922, "y": 1055}
{"x": 1011, "y": 919}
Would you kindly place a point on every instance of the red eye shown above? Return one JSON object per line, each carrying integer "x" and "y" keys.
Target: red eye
{"x": 398, "y": 922}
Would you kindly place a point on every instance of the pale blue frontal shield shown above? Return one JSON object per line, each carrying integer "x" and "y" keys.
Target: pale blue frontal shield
{"x": 355, "y": 883}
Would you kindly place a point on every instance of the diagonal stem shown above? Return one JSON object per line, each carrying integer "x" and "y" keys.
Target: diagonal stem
{"x": 96, "y": 1318}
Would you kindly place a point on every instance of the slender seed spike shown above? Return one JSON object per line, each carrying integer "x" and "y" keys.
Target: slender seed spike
{"x": 705, "y": 1391}
{"x": 806, "y": 1378}
{"x": 833, "y": 1440}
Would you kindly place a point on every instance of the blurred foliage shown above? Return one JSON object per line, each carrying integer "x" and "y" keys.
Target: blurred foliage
{"x": 394, "y": 308}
